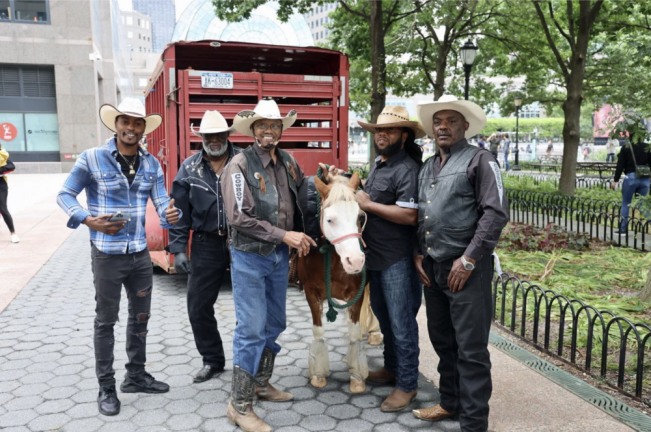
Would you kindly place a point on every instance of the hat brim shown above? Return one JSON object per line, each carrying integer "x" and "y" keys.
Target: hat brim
{"x": 200, "y": 132}
{"x": 244, "y": 119}
{"x": 419, "y": 132}
{"x": 108, "y": 113}
{"x": 474, "y": 115}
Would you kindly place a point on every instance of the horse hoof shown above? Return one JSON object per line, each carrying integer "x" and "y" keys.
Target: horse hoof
{"x": 357, "y": 386}
{"x": 375, "y": 339}
{"x": 318, "y": 382}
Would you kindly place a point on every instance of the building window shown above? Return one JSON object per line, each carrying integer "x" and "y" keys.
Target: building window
{"x": 27, "y": 81}
{"x": 147, "y": 25}
{"x": 321, "y": 35}
{"x": 139, "y": 36}
{"x": 129, "y": 20}
{"x": 24, "y": 11}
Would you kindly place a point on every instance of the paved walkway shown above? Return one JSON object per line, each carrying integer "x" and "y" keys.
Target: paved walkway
{"x": 47, "y": 379}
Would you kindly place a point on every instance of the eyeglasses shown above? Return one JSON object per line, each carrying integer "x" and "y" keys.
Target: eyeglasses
{"x": 274, "y": 126}
{"x": 388, "y": 130}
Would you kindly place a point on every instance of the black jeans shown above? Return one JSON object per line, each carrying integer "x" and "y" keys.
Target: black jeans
{"x": 458, "y": 325}
{"x": 110, "y": 272}
{"x": 209, "y": 261}
{"x": 4, "y": 210}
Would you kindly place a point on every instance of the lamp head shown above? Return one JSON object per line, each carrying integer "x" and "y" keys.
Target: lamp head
{"x": 517, "y": 101}
{"x": 468, "y": 53}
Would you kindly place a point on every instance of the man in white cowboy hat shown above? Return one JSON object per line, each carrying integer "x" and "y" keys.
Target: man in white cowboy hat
{"x": 119, "y": 178}
{"x": 260, "y": 189}
{"x": 462, "y": 210}
{"x": 197, "y": 193}
{"x": 390, "y": 198}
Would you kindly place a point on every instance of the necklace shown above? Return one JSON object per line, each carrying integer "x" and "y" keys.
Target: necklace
{"x": 131, "y": 165}
{"x": 221, "y": 166}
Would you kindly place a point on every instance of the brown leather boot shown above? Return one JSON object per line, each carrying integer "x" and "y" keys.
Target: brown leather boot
{"x": 398, "y": 400}
{"x": 264, "y": 389}
{"x": 240, "y": 411}
{"x": 381, "y": 376}
{"x": 272, "y": 394}
{"x": 433, "y": 414}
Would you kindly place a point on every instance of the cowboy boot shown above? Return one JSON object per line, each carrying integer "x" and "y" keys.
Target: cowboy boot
{"x": 240, "y": 410}
{"x": 264, "y": 389}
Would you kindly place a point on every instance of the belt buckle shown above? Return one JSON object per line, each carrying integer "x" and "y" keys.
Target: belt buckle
{"x": 220, "y": 233}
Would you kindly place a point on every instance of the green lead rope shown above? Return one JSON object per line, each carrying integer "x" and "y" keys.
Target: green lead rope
{"x": 326, "y": 250}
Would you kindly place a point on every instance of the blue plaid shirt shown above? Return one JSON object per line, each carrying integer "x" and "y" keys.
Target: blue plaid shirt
{"x": 108, "y": 191}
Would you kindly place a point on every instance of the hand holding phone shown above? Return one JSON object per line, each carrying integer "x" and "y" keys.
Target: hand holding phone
{"x": 120, "y": 217}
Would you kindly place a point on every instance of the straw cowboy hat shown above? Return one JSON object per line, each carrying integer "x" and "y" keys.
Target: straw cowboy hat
{"x": 394, "y": 116}
{"x": 475, "y": 116}
{"x": 211, "y": 123}
{"x": 265, "y": 109}
{"x": 130, "y": 107}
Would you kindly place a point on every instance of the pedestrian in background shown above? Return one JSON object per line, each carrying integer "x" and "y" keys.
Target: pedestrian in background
{"x": 550, "y": 147}
{"x": 5, "y": 167}
{"x": 507, "y": 148}
{"x": 119, "y": 178}
{"x": 197, "y": 193}
{"x": 635, "y": 162}
{"x": 494, "y": 145}
{"x": 611, "y": 148}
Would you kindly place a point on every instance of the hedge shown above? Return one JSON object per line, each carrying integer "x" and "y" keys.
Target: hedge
{"x": 549, "y": 127}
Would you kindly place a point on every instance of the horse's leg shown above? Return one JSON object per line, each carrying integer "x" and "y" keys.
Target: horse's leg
{"x": 356, "y": 356}
{"x": 370, "y": 324}
{"x": 318, "y": 361}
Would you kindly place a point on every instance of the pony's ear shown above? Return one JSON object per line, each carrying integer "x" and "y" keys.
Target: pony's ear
{"x": 354, "y": 182}
{"x": 323, "y": 188}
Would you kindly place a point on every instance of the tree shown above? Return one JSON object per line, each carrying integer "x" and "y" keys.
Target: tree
{"x": 377, "y": 16}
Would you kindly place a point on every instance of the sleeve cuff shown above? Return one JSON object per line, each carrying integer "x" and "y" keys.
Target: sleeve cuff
{"x": 277, "y": 235}
{"x": 475, "y": 252}
{"x": 175, "y": 248}
{"x": 76, "y": 219}
{"x": 407, "y": 204}
{"x": 166, "y": 225}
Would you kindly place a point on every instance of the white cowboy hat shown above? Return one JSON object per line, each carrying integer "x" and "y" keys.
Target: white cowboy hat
{"x": 212, "y": 122}
{"x": 475, "y": 116}
{"x": 394, "y": 116}
{"x": 131, "y": 107}
{"x": 265, "y": 109}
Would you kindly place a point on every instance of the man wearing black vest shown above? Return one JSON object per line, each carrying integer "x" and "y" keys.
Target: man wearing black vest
{"x": 260, "y": 188}
{"x": 462, "y": 210}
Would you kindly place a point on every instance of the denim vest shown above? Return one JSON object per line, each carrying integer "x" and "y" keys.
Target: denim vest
{"x": 447, "y": 207}
{"x": 266, "y": 203}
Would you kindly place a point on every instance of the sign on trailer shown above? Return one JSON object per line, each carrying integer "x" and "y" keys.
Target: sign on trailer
{"x": 217, "y": 80}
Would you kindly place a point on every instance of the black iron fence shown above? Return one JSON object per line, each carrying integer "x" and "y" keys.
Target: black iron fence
{"x": 598, "y": 218}
{"x": 607, "y": 346}
{"x": 581, "y": 182}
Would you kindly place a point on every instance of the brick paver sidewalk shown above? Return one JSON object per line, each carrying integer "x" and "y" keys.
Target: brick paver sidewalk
{"x": 47, "y": 377}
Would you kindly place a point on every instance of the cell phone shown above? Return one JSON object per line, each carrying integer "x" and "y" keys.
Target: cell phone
{"x": 120, "y": 217}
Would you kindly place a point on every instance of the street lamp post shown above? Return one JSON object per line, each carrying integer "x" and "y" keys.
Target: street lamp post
{"x": 468, "y": 53}
{"x": 517, "y": 102}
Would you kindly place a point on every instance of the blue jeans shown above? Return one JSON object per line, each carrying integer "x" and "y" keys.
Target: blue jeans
{"x": 396, "y": 296}
{"x": 631, "y": 187}
{"x": 260, "y": 296}
{"x": 507, "y": 165}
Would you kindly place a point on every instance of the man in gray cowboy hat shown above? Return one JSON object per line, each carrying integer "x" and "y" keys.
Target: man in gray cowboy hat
{"x": 198, "y": 194}
{"x": 260, "y": 189}
{"x": 462, "y": 209}
{"x": 119, "y": 178}
{"x": 390, "y": 198}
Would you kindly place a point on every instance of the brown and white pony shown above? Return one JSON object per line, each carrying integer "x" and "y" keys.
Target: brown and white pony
{"x": 340, "y": 216}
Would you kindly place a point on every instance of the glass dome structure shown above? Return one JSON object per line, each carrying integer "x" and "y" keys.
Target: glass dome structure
{"x": 198, "y": 21}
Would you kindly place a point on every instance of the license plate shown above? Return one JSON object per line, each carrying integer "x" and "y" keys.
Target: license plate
{"x": 217, "y": 80}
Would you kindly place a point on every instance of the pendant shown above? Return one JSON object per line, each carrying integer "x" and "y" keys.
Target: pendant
{"x": 132, "y": 172}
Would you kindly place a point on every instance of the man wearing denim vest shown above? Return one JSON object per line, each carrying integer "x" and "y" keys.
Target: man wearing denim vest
{"x": 260, "y": 188}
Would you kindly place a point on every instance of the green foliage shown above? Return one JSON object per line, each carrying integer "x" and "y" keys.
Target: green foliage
{"x": 622, "y": 122}
{"x": 547, "y": 127}
{"x": 528, "y": 183}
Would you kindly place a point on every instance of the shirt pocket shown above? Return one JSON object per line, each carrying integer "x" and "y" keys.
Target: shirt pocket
{"x": 383, "y": 191}
{"x": 108, "y": 182}
{"x": 147, "y": 182}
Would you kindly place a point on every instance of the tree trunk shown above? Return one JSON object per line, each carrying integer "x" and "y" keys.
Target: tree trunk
{"x": 572, "y": 105}
{"x": 645, "y": 295}
{"x": 378, "y": 66}
{"x": 441, "y": 65}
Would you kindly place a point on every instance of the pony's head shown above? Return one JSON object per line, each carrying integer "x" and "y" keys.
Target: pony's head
{"x": 340, "y": 215}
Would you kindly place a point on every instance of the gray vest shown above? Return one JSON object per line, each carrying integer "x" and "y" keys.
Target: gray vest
{"x": 266, "y": 204}
{"x": 448, "y": 210}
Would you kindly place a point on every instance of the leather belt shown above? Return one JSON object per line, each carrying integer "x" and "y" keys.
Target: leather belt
{"x": 221, "y": 233}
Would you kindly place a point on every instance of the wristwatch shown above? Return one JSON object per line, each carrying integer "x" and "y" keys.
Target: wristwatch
{"x": 467, "y": 264}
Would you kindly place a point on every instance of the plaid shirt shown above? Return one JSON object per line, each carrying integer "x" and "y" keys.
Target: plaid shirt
{"x": 108, "y": 191}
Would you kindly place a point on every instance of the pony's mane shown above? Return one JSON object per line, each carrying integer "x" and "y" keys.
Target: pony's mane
{"x": 339, "y": 191}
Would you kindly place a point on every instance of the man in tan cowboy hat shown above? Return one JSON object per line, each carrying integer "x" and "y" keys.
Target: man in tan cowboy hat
{"x": 462, "y": 210}
{"x": 198, "y": 194}
{"x": 119, "y": 178}
{"x": 390, "y": 198}
{"x": 260, "y": 188}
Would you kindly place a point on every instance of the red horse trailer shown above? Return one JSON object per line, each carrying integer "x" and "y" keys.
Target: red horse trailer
{"x": 193, "y": 77}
